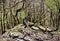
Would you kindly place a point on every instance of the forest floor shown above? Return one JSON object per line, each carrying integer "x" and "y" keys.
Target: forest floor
{"x": 19, "y": 33}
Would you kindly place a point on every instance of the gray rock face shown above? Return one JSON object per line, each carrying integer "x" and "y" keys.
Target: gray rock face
{"x": 13, "y": 35}
{"x": 21, "y": 36}
{"x": 30, "y": 34}
{"x": 19, "y": 39}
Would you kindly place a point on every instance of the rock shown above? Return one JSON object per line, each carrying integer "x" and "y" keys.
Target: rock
{"x": 35, "y": 28}
{"x": 38, "y": 39}
{"x": 44, "y": 36}
{"x": 51, "y": 29}
{"x": 47, "y": 37}
{"x": 27, "y": 38}
{"x": 43, "y": 28}
{"x": 21, "y": 36}
{"x": 1, "y": 37}
{"x": 17, "y": 39}
{"x": 29, "y": 34}
{"x": 7, "y": 39}
{"x": 13, "y": 35}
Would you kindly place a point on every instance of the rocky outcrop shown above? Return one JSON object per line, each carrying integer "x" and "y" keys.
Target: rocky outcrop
{"x": 19, "y": 33}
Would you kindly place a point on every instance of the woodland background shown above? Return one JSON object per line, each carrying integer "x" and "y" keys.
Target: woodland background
{"x": 39, "y": 12}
